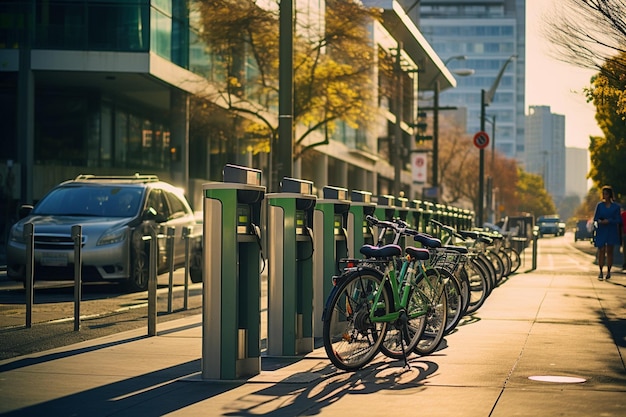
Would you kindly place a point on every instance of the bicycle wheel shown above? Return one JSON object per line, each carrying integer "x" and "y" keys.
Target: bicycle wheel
{"x": 516, "y": 261}
{"x": 479, "y": 285}
{"x": 506, "y": 259}
{"x": 454, "y": 300}
{"x": 432, "y": 291}
{"x": 351, "y": 339}
{"x": 498, "y": 265}
{"x": 403, "y": 335}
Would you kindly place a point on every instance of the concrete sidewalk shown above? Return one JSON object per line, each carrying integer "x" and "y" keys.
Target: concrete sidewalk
{"x": 558, "y": 324}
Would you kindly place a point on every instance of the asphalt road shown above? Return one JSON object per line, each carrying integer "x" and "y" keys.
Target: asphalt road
{"x": 104, "y": 310}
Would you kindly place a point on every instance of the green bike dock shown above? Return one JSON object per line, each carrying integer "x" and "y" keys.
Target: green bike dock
{"x": 385, "y": 210}
{"x": 359, "y": 231}
{"x": 231, "y": 270}
{"x": 290, "y": 258}
{"x": 331, "y": 245}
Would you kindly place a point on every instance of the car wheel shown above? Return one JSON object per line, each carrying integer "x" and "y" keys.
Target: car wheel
{"x": 140, "y": 271}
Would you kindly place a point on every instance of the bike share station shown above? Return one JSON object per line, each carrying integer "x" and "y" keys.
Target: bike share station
{"x": 290, "y": 279}
{"x": 361, "y": 206}
{"x": 231, "y": 289}
{"x": 329, "y": 225}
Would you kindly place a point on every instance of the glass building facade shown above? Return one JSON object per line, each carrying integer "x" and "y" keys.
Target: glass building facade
{"x": 487, "y": 33}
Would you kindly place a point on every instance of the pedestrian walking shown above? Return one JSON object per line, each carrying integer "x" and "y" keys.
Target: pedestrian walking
{"x": 609, "y": 222}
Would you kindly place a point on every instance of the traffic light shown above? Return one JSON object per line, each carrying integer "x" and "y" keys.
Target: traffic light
{"x": 420, "y": 126}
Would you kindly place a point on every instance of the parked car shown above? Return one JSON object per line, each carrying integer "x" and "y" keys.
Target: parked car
{"x": 584, "y": 230}
{"x": 549, "y": 225}
{"x": 115, "y": 213}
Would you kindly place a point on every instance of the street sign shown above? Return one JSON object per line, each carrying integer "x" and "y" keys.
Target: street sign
{"x": 481, "y": 140}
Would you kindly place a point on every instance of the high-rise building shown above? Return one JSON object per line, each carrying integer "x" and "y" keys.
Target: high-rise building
{"x": 545, "y": 148}
{"x": 576, "y": 170}
{"x": 486, "y": 33}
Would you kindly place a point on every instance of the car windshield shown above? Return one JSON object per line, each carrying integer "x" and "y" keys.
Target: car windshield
{"x": 100, "y": 201}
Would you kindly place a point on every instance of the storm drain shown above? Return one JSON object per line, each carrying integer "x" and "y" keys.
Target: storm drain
{"x": 557, "y": 379}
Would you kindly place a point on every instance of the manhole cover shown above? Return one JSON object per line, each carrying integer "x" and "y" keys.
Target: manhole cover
{"x": 557, "y": 379}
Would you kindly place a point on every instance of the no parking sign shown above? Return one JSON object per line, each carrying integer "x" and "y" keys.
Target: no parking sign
{"x": 418, "y": 166}
{"x": 481, "y": 140}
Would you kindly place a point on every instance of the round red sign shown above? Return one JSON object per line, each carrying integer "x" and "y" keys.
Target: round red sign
{"x": 481, "y": 140}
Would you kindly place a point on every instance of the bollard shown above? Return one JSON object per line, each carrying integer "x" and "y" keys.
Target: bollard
{"x": 535, "y": 240}
{"x": 77, "y": 237}
{"x": 152, "y": 281}
{"x": 171, "y": 231}
{"x": 29, "y": 238}
{"x": 187, "y": 236}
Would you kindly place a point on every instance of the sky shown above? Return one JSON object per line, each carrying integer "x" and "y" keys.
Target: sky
{"x": 550, "y": 82}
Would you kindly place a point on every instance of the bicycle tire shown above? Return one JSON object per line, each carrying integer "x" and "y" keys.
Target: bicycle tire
{"x": 402, "y": 337}
{"x": 431, "y": 287}
{"x": 491, "y": 272}
{"x": 506, "y": 259}
{"x": 351, "y": 339}
{"x": 479, "y": 284}
{"x": 516, "y": 260}
{"x": 498, "y": 265}
{"x": 454, "y": 300}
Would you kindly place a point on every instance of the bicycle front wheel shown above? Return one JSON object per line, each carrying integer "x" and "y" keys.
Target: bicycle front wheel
{"x": 351, "y": 338}
{"x": 403, "y": 335}
{"x": 432, "y": 290}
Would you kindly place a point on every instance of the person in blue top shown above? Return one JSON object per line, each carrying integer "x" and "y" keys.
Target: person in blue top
{"x": 608, "y": 219}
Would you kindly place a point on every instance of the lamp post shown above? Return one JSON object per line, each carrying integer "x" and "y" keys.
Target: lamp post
{"x": 485, "y": 99}
{"x": 435, "y": 181}
{"x": 490, "y": 190}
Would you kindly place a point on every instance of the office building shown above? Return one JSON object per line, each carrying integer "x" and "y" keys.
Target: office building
{"x": 487, "y": 33}
{"x": 104, "y": 87}
{"x": 545, "y": 149}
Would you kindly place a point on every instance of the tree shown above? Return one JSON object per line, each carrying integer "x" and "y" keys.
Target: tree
{"x": 588, "y": 33}
{"x": 458, "y": 163}
{"x": 333, "y": 66}
{"x": 532, "y": 195}
{"x": 608, "y": 153}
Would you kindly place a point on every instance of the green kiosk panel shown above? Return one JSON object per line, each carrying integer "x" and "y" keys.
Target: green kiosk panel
{"x": 290, "y": 280}
{"x": 231, "y": 269}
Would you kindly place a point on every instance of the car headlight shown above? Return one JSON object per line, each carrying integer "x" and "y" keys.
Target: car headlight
{"x": 114, "y": 236}
{"x": 17, "y": 234}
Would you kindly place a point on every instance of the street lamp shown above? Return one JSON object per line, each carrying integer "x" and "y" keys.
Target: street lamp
{"x": 436, "y": 108}
{"x": 490, "y": 191}
{"x": 486, "y": 97}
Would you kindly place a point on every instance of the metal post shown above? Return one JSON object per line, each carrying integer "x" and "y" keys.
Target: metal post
{"x": 187, "y": 236}
{"x": 397, "y": 135}
{"x": 481, "y": 164}
{"x": 152, "y": 279}
{"x": 29, "y": 239}
{"x": 171, "y": 231}
{"x": 283, "y": 156}
{"x": 77, "y": 236}
{"x": 436, "y": 140}
{"x": 535, "y": 240}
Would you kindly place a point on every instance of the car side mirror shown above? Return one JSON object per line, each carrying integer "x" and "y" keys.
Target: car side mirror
{"x": 150, "y": 214}
{"x": 24, "y": 210}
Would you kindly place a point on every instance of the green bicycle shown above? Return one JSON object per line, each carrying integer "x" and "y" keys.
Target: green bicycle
{"x": 385, "y": 303}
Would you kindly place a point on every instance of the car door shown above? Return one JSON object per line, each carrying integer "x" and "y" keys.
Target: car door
{"x": 180, "y": 216}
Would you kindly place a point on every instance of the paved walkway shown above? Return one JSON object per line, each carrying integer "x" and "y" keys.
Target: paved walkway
{"x": 557, "y": 323}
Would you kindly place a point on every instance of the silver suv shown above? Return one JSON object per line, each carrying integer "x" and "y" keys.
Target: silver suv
{"x": 114, "y": 213}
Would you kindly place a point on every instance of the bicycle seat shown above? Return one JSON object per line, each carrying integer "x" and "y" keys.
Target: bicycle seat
{"x": 418, "y": 253}
{"x": 386, "y": 251}
{"x": 459, "y": 249}
{"x": 428, "y": 241}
